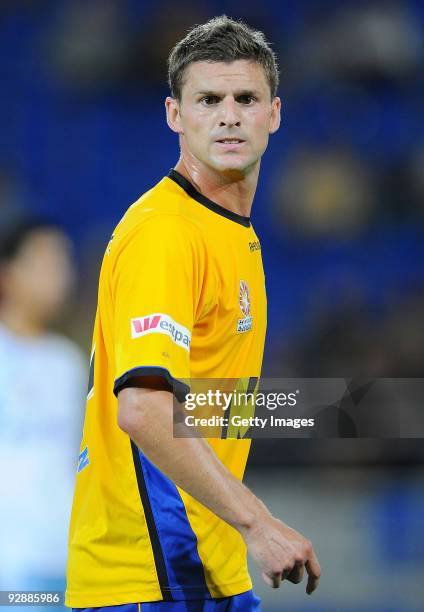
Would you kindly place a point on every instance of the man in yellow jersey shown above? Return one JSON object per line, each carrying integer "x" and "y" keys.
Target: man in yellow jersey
{"x": 160, "y": 522}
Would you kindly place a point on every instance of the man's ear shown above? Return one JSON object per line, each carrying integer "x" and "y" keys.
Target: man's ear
{"x": 173, "y": 117}
{"x": 275, "y": 121}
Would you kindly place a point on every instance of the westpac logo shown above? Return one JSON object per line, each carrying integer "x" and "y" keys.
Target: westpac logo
{"x": 159, "y": 323}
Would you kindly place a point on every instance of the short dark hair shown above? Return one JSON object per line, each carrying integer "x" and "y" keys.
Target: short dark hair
{"x": 14, "y": 235}
{"x": 221, "y": 39}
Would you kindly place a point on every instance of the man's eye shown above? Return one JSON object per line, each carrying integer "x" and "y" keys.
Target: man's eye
{"x": 209, "y": 100}
{"x": 246, "y": 99}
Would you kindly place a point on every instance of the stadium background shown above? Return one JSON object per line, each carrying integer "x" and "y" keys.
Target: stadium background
{"x": 339, "y": 211}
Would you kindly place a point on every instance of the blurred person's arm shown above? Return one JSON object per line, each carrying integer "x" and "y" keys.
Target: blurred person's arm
{"x": 146, "y": 415}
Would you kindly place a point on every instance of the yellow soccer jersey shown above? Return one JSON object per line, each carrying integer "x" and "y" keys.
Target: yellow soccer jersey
{"x": 182, "y": 295}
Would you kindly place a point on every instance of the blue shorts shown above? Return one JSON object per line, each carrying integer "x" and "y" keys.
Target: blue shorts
{"x": 245, "y": 602}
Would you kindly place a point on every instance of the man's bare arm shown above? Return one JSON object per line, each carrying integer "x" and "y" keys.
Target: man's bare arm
{"x": 146, "y": 415}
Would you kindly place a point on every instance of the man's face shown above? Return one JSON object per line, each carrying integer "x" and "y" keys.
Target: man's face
{"x": 41, "y": 274}
{"x": 225, "y": 115}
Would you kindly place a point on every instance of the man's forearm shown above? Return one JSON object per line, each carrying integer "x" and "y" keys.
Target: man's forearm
{"x": 147, "y": 416}
{"x": 188, "y": 462}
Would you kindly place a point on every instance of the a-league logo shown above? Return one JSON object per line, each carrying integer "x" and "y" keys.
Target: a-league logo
{"x": 245, "y": 324}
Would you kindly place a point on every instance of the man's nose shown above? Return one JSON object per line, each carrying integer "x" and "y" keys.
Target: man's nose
{"x": 229, "y": 115}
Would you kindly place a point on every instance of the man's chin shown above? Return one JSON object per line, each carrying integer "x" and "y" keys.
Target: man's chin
{"x": 228, "y": 166}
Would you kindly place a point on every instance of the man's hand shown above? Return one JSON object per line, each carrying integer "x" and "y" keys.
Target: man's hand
{"x": 281, "y": 552}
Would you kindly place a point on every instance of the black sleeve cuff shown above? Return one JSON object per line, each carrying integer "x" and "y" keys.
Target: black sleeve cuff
{"x": 178, "y": 388}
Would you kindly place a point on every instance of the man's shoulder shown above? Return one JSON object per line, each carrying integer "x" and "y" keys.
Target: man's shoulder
{"x": 159, "y": 217}
{"x": 159, "y": 207}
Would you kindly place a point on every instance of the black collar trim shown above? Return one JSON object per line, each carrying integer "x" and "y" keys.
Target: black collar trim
{"x": 199, "y": 197}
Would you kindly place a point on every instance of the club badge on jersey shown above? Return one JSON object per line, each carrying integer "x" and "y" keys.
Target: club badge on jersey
{"x": 244, "y": 324}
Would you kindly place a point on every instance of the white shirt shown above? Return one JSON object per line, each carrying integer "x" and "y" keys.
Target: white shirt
{"x": 42, "y": 390}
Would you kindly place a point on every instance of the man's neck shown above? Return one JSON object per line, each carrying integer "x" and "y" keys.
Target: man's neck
{"x": 18, "y": 321}
{"x": 233, "y": 191}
